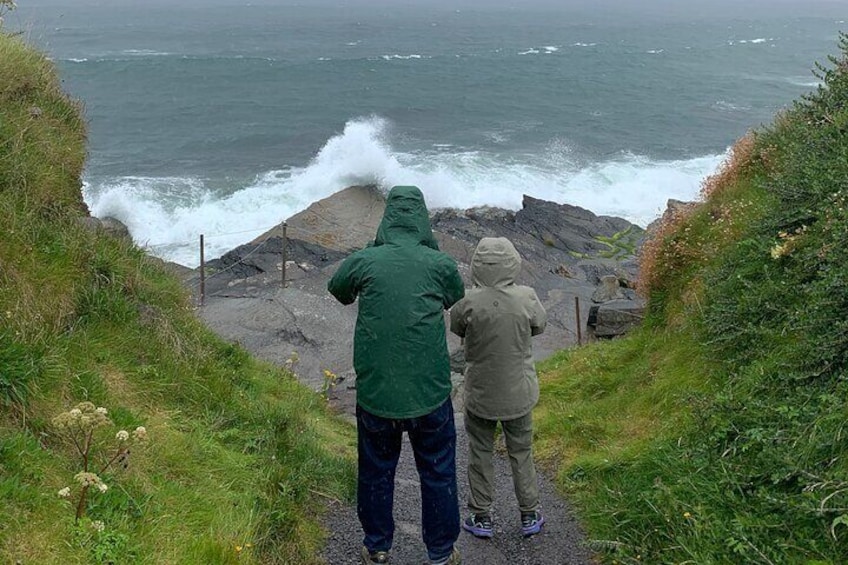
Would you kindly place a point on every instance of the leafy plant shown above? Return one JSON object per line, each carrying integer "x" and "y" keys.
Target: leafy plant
{"x": 78, "y": 427}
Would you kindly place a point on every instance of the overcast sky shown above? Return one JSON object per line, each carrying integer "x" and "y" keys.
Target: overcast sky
{"x": 653, "y": 9}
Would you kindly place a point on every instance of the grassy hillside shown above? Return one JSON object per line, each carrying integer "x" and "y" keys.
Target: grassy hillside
{"x": 238, "y": 456}
{"x": 717, "y": 432}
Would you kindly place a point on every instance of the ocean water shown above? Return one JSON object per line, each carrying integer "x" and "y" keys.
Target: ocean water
{"x": 224, "y": 118}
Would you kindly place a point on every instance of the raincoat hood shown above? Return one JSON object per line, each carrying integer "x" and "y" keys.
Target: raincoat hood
{"x": 406, "y": 219}
{"x": 495, "y": 263}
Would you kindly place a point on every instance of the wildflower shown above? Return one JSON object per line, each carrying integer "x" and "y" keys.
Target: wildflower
{"x": 65, "y": 492}
{"x": 781, "y": 249}
{"x": 87, "y": 479}
{"x": 238, "y": 549}
{"x": 86, "y": 407}
{"x": 140, "y": 433}
{"x": 122, "y": 435}
{"x": 102, "y": 411}
{"x": 98, "y": 526}
{"x": 102, "y": 487}
{"x": 76, "y": 412}
{"x": 687, "y": 515}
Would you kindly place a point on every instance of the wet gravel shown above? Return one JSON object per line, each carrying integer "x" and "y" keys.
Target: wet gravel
{"x": 559, "y": 543}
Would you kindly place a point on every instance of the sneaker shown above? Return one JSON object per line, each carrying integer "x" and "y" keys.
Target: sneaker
{"x": 452, "y": 559}
{"x": 479, "y": 524}
{"x": 531, "y": 523}
{"x": 367, "y": 557}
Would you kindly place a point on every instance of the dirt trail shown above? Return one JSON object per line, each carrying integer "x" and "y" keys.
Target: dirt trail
{"x": 560, "y": 543}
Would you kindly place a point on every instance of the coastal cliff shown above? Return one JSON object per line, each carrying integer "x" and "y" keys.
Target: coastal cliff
{"x": 712, "y": 433}
{"x": 566, "y": 252}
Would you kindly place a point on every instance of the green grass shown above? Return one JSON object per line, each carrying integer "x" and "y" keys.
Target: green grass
{"x": 239, "y": 454}
{"x": 598, "y": 411}
{"x": 620, "y": 245}
{"x": 717, "y": 432}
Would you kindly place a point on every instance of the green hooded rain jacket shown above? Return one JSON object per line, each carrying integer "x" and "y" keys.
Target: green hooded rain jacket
{"x": 497, "y": 319}
{"x": 404, "y": 284}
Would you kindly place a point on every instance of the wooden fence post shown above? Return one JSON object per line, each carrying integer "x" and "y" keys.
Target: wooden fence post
{"x": 285, "y": 254}
{"x": 202, "y": 272}
{"x": 577, "y": 317}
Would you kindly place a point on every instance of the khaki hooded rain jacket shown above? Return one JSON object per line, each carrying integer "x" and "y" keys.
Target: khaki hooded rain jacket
{"x": 497, "y": 319}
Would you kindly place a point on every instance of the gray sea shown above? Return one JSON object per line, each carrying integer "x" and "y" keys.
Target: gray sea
{"x": 223, "y": 118}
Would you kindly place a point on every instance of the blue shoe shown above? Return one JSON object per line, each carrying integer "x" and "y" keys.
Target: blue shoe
{"x": 480, "y": 525}
{"x": 531, "y": 523}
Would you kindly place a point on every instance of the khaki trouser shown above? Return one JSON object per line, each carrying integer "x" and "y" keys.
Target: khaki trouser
{"x": 519, "y": 444}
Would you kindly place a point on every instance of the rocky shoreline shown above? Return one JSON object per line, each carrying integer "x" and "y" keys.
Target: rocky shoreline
{"x": 569, "y": 255}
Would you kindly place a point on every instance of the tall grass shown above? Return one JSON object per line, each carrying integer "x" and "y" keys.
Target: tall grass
{"x": 743, "y": 460}
{"x": 238, "y": 450}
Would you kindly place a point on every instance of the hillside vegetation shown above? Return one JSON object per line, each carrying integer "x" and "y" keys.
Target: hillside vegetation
{"x": 717, "y": 432}
{"x": 238, "y": 456}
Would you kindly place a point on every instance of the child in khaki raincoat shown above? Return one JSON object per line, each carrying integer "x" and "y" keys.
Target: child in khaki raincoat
{"x": 497, "y": 319}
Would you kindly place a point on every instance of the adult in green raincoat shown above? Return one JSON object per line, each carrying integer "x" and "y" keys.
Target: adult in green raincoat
{"x": 498, "y": 318}
{"x": 404, "y": 285}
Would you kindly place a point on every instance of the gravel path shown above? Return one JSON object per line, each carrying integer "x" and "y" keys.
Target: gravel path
{"x": 559, "y": 543}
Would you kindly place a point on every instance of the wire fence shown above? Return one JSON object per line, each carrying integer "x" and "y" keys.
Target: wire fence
{"x": 287, "y": 234}
{"x": 316, "y": 236}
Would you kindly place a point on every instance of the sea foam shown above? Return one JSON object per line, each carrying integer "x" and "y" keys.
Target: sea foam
{"x": 168, "y": 214}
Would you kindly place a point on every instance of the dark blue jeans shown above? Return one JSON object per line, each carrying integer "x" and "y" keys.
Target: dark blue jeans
{"x": 433, "y": 439}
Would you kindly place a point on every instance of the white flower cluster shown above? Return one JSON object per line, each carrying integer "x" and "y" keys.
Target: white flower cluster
{"x": 140, "y": 433}
{"x": 98, "y": 526}
{"x": 65, "y": 492}
{"x": 90, "y": 480}
{"x": 122, "y": 436}
{"x": 84, "y": 417}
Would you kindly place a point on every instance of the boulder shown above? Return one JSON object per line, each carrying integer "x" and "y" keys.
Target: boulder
{"x": 673, "y": 209}
{"x": 616, "y": 317}
{"x": 609, "y": 289}
{"x": 110, "y": 226}
{"x": 343, "y": 222}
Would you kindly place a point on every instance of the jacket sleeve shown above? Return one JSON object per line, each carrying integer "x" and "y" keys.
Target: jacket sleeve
{"x": 538, "y": 315}
{"x": 453, "y": 289}
{"x": 458, "y": 321}
{"x": 346, "y": 283}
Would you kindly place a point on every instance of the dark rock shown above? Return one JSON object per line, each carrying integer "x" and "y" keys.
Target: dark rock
{"x": 115, "y": 228}
{"x": 616, "y": 317}
{"x": 111, "y": 226}
{"x": 266, "y": 256}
